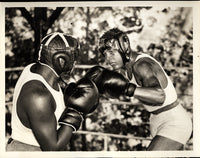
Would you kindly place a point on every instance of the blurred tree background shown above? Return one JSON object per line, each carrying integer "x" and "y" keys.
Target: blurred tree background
{"x": 163, "y": 32}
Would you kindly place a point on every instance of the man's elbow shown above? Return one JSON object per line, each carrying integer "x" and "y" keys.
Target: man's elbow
{"x": 53, "y": 148}
{"x": 161, "y": 97}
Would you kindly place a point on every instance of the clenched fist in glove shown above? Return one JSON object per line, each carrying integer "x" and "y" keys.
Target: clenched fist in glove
{"x": 110, "y": 83}
{"x": 80, "y": 98}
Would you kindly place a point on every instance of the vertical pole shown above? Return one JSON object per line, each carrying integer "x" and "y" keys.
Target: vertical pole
{"x": 105, "y": 143}
{"x": 83, "y": 137}
{"x": 39, "y": 19}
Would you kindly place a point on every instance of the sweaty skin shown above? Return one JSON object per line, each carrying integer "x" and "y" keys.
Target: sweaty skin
{"x": 150, "y": 76}
{"x": 36, "y": 107}
{"x": 153, "y": 86}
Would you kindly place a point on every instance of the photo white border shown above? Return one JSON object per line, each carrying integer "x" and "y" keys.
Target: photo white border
{"x": 196, "y": 78}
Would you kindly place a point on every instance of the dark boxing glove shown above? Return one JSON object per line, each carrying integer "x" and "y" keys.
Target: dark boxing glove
{"x": 110, "y": 83}
{"x": 71, "y": 117}
{"x": 81, "y": 98}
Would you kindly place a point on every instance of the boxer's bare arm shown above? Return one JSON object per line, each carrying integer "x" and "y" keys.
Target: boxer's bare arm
{"x": 39, "y": 106}
{"x": 152, "y": 80}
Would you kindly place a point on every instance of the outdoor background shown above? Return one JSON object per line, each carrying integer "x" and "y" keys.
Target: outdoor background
{"x": 116, "y": 125}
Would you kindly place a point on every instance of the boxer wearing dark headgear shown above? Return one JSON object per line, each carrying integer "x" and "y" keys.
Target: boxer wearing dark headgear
{"x": 59, "y": 51}
{"x": 44, "y": 117}
{"x": 139, "y": 76}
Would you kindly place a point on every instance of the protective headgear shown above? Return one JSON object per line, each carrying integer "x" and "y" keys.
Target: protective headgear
{"x": 117, "y": 39}
{"x": 59, "y": 51}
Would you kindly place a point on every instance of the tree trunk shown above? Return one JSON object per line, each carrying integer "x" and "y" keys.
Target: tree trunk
{"x": 40, "y": 20}
{"x": 40, "y": 24}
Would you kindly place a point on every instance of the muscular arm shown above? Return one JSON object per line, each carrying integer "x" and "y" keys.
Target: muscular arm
{"x": 152, "y": 80}
{"x": 39, "y": 107}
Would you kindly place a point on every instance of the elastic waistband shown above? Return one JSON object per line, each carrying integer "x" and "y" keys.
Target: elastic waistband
{"x": 165, "y": 108}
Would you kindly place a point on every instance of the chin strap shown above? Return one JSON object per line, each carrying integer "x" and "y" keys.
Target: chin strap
{"x": 49, "y": 68}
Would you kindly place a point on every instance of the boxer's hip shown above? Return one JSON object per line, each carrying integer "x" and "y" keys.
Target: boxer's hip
{"x": 15, "y": 145}
{"x": 175, "y": 124}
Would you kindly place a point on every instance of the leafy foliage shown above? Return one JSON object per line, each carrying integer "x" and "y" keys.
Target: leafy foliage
{"x": 169, "y": 41}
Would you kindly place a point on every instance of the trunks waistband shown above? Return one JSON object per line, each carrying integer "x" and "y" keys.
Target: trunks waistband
{"x": 165, "y": 108}
{"x": 10, "y": 140}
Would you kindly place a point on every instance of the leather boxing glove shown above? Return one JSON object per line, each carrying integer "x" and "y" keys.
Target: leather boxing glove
{"x": 110, "y": 83}
{"x": 71, "y": 117}
{"x": 95, "y": 74}
{"x": 81, "y": 98}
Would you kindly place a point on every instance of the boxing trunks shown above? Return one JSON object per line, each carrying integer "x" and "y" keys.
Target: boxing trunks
{"x": 15, "y": 145}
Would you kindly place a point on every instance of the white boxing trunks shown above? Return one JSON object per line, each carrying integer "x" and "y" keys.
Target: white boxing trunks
{"x": 174, "y": 124}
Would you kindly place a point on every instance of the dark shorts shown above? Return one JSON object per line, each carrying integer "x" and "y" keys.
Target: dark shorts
{"x": 14, "y": 145}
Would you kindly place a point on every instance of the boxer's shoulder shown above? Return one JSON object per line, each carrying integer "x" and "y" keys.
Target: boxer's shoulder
{"x": 35, "y": 87}
{"x": 144, "y": 62}
{"x": 146, "y": 65}
{"x": 36, "y": 96}
{"x": 149, "y": 71}
{"x": 143, "y": 67}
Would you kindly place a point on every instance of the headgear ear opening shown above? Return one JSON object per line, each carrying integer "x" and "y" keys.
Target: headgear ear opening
{"x": 58, "y": 43}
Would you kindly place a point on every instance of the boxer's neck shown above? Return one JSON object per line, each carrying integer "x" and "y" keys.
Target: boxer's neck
{"x": 48, "y": 74}
{"x": 134, "y": 56}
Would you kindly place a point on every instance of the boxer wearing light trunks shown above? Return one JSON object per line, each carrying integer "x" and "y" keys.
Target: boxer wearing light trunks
{"x": 141, "y": 77}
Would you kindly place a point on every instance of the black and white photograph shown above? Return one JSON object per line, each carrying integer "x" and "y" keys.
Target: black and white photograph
{"x": 102, "y": 79}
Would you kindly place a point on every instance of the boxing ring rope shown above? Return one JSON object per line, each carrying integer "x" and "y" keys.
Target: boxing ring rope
{"x": 21, "y": 68}
{"x": 105, "y": 135}
{"x": 89, "y": 66}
